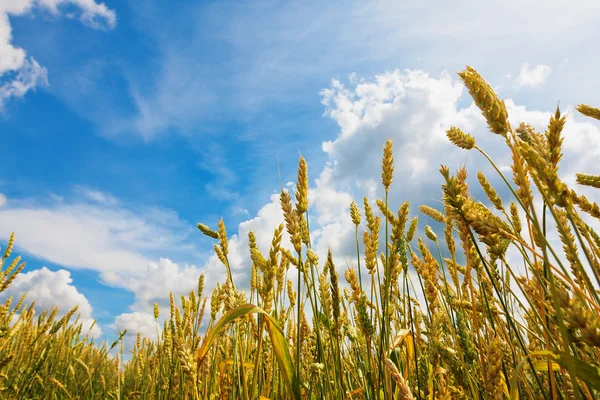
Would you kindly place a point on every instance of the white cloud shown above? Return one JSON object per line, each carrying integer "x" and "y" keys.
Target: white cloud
{"x": 410, "y": 107}
{"x": 52, "y": 288}
{"x": 2, "y": 199}
{"x": 162, "y": 277}
{"x": 96, "y": 15}
{"x": 533, "y": 76}
{"x": 99, "y": 233}
{"x": 129, "y": 248}
{"x": 28, "y": 76}
{"x": 20, "y": 74}
{"x": 137, "y": 322}
{"x": 414, "y": 110}
{"x": 159, "y": 279}
{"x": 113, "y": 240}
{"x": 97, "y": 196}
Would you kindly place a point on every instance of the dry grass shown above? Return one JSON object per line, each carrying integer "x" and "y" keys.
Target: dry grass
{"x": 485, "y": 329}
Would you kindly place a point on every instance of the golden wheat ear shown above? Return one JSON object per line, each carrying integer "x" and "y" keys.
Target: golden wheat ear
{"x": 589, "y": 111}
{"x": 589, "y": 180}
{"x": 460, "y": 139}
{"x": 492, "y": 108}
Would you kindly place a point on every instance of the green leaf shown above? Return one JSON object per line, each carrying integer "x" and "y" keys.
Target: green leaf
{"x": 514, "y": 381}
{"x": 542, "y": 366}
{"x": 590, "y": 374}
{"x": 282, "y": 352}
{"x": 324, "y": 320}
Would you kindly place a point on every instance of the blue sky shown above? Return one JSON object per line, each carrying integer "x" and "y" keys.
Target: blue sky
{"x": 124, "y": 123}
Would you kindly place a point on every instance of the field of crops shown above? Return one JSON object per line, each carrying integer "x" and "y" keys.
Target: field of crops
{"x": 443, "y": 316}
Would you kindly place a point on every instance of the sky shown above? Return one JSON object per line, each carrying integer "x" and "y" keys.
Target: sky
{"x": 125, "y": 123}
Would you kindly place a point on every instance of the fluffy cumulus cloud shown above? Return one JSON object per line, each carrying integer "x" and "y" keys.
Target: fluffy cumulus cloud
{"x": 135, "y": 323}
{"x": 126, "y": 246}
{"x": 143, "y": 323}
{"x": 20, "y": 73}
{"x": 53, "y": 289}
{"x": 533, "y": 76}
{"x": 415, "y": 109}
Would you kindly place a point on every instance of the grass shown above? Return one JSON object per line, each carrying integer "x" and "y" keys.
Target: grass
{"x": 484, "y": 328}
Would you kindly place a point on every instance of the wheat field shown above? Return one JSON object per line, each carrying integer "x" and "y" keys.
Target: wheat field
{"x": 432, "y": 317}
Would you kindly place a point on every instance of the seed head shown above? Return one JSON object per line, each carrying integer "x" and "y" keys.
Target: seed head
{"x": 589, "y": 111}
{"x": 554, "y": 138}
{"x": 432, "y": 212}
{"x": 207, "y": 231}
{"x": 200, "y": 285}
{"x": 355, "y": 214}
{"x": 302, "y": 187}
{"x": 490, "y": 191}
{"x": 430, "y": 233}
{"x": 589, "y": 180}
{"x": 460, "y": 139}
{"x": 387, "y": 165}
{"x": 493, "y": 109}
{"x": 9, "y": 246}
{"x": 410, "y": 234}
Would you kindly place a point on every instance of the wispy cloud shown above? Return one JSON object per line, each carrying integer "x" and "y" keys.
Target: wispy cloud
{"x": 533, "y": 76}
{"x": 96, "y": 196}
{"x": 293, "y": 47}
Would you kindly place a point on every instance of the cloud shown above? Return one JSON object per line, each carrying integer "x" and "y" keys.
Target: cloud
{"x": 533, "y": 76}
{"x": 93, "y": 14}
{"x": 117, "y": 241}
{"x": 2, "y": 199}
{"x": 137, "y": 322}
{"x": 415, "y": 109}
{"x": 160, "y": 279}
{"x": 19, "y": 73}
{"x": 142, "y": 323}
{"x": 128, "y": 247}
{"x": 411, "y": 108}
{"x": 97, "y": 196}
{"x": 164, "y": 276}
{"x": 52, "y": 288}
